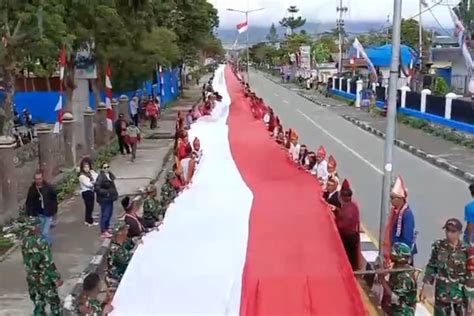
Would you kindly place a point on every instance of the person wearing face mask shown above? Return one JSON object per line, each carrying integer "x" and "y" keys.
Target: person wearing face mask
{"x": 87, "y": 178}
{"x": 106, "y": 195}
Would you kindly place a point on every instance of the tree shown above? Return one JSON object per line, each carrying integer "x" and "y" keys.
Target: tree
{"x": 410, "y": 34}
{"x": 465, "y": 15}
{"x": 292, "y": 22}
{"x": 272, "y": 35}
{"x": 26, "y": 25}
{"x": 373, "y": 38}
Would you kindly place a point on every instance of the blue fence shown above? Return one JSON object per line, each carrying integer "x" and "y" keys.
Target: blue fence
{"x": 410, "y": 111}
{"x": 42, "y": 104}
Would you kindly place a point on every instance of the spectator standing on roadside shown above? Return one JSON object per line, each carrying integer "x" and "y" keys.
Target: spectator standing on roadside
{"x": 134, "y": 108}
{"x": 348, "y": 225}
{"x": 133, "y": 138}
{"x": 121, "y": 131}
{"x": 106, "y": 196}
{"x": 87, "y": 178}
{"x": 42, "y": 277}
{"x": 152, "y": 112}
{"x": 42, "y": 202}
{"x": 469, "y": 217}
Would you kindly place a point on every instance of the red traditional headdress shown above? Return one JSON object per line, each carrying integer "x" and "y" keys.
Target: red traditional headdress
{"x": 345, "y": 185}
{"x": 399, "y": 188}
{"x": 332, "y": 162}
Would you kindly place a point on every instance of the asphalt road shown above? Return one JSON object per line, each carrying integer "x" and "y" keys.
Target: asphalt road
{"x": 433, "y": 194}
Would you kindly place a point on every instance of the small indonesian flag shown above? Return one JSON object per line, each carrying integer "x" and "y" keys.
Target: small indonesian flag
{"x": 171, "y": 81}
{"x": 242, "y": 27}
{"x": 108, "y": 98}
{"x": 162, "y": 81}
{"x": 59, "y": 106}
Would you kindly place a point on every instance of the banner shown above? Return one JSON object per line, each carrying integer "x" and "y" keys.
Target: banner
{"x": 305, "y": 57}
{"x": 84, "y": 62}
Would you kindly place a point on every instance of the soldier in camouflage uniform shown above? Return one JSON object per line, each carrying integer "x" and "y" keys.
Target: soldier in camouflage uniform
{"x": 168, "y": 192}
{"x": 447, "y": 269}
{"x": 119, "y": 255}
{"x": 401, "y": 286}
{"x": 152, "y": 211}
{"x": 88, "y": 303}
{"x": 42, "y": 277}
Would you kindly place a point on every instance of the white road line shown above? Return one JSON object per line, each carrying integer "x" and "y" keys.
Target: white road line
{"x": 337, "y": 140}
{"x": 276, "y": 94}
{"x": 286, "y": 102}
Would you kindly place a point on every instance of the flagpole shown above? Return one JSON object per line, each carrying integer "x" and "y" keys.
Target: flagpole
{"x": 246, "y": 12}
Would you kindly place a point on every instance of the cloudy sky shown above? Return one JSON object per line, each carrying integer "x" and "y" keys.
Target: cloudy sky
{"x": 325, "y": 10}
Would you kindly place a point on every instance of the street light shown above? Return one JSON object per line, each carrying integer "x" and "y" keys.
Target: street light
{"x": 246, "y": 12}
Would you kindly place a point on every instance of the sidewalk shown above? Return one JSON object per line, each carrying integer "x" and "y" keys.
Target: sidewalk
{"x": 75, "y": 246}
{"x": 447, "y": 155}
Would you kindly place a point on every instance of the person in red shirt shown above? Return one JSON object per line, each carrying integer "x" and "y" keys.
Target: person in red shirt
{"x": 181, "y": 145}
{"x": 152, "y": 112}
{"x": 348, "y": 223}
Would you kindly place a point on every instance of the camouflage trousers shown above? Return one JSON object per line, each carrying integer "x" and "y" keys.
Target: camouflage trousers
{"x": 444, "y": 309}
{"x": 42, "y": 296}
{"x": 402, "y": 310}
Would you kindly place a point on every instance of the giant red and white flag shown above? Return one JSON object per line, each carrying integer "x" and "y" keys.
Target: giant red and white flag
{"x": 108, "y": 98}
{"x": 248, "y": 237}
{"x": 242, "y": 27}
{"x": 59, "y": 106}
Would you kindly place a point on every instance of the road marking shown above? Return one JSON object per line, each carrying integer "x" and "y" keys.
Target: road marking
{"x": 337, "y": 140}
{"x": 276, "y": 94}
{"x": 286, "y": 102}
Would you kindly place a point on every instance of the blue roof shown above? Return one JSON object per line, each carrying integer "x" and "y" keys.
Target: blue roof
{"x": 381, "y": 56}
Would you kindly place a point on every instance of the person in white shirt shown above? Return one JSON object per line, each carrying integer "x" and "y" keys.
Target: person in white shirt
{"x": 320, "y": 169}
{"x": 134, "y": 109}
{"x": 87, "y": 178}
{"x": 294, "y": 146}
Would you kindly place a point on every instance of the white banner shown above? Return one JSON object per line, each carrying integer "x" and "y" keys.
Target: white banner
{"x": 305, "y": 62}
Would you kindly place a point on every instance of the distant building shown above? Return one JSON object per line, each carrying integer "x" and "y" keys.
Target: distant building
{"x": 447, "y": 61}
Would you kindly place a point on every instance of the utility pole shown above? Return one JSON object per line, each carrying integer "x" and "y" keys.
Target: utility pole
{"x": 420, "y": 33}
{"x": 387, "y": 33}
{"x": 246, "y": 12}
{"x": 391, "y": 117}
{"x": 340, "y": 27}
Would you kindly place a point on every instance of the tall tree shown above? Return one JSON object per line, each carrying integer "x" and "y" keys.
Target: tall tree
{"x": 26, "y": 26}
{"x": 272, "y": 35}
{"x": 291, "y": 22}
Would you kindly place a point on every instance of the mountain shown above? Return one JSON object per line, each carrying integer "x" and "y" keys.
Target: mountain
{"x": 257, "y": 34}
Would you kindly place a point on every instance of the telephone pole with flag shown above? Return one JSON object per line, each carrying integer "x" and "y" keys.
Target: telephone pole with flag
{"x": 59, "y": 106}
{"x": 243, "y": 27}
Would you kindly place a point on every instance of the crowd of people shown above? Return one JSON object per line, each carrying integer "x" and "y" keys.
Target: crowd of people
{"x": 449, "y": 269}
{"x": 451, "y": 264}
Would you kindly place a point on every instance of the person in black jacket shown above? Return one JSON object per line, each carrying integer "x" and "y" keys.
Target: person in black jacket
{"x": 42, "y": 202}
{"x": 331, "y": 195}
{"x": 106, "y": 195}
{"x": 120, "y": 130}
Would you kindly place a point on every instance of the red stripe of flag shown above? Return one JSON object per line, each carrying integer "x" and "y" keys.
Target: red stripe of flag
{"x": 108, "y": 97}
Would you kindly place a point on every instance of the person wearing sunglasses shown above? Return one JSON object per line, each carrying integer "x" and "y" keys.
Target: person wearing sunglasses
{"x": 106, "y": 196}
{"x": 447, "y": 271}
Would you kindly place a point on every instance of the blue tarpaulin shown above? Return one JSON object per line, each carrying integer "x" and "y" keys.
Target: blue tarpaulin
{"x": 381, "y": 56}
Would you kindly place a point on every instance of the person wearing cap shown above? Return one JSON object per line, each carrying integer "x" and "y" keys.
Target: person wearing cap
{"x": 42, "y": 277}
{"x": 469, "y": 217}
{"x": 447, "y": 271}
{"x": 294, "y": 146}
{"x": 151, "y": 208}
{"x": 348, "y": 225}
{"x": 401, "y": 222}
{"x": 401, "y": 287}
{"x": 332, "y": 172}
{"x": 120, "y": 131}
{"x": 119, "y": 255}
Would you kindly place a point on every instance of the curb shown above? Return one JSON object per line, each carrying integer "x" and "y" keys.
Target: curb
{"x": 438, "y": 162}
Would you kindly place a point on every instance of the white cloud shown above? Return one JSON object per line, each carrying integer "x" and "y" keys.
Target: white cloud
{"x": 325, "y": 10}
